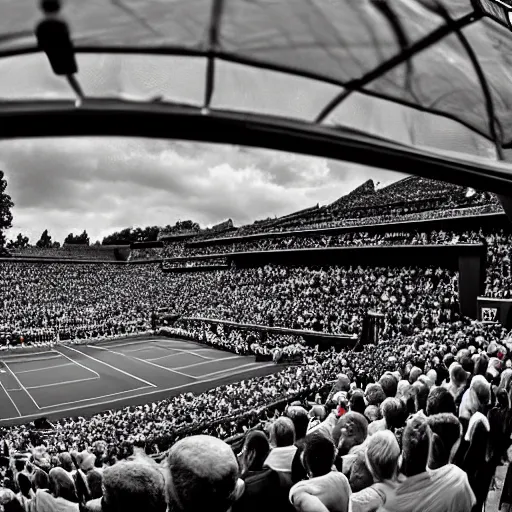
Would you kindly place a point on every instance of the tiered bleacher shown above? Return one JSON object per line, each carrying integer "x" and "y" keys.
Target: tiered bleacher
{"x": 68, "y": 251}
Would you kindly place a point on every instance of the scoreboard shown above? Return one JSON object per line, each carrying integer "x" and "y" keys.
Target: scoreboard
{"x": 495, "y": 311}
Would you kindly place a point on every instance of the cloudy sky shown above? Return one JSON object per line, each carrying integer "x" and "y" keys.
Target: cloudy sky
{"x": 103, "y": 185}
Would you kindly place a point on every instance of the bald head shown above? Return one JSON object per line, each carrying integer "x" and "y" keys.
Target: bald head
{"x": 203, "y": 475}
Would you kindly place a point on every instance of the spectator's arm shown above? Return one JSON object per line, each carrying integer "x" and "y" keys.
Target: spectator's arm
{"x": 304, "y": 502}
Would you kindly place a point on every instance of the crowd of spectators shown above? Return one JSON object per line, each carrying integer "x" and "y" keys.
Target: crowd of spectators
{"x": 332, "y": 299}
{"x": 422, "y": 420}
{"x": 409, "y": 199}
{"x": 242, "y": 342}
{"x": 67, "y": 251}
{"x": 85, "y": 301}
{"x": 357, "y": 238}
{"x": 77, "y": 301}
{"x": 204, "y": 263}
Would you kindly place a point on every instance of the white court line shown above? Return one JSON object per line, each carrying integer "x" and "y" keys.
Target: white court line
{"x": 94, "y": 398}
{"x": 227, "y": 370}
{"x": 141, "y": 349}
{"x": 204, "y": 362}
{"x": 37, "y": 360}
{"x": 45, "y": 368}
{"x": 179, "y": 351}
{"x": 28, "y": 355}
{"x": 21, "y": 385}
{"x": 14, "y": 389}
{"x": 10, "y": 398}
{"x": 110, "y": 366}
{"x": 147, "y": 362}
{"x": 78, "y": 364}
{"x": 60, "y": 383}
{"x": 194, "y": 352}
{"x": 135, "y": 342}
{"x": 163, "y": 391}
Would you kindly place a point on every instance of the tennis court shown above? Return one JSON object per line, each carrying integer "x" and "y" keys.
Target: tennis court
{"x": 85, "y": 379}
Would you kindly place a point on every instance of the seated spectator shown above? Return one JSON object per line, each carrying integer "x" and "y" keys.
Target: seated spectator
{"x": 25, "y": 490}
{"x": 500, "y": 427}
{"x": 40, "y": 480}
{"x": 421, "y": 395}
{"x": 436, "y": 491}
{"x": 476, "y": 462}
{"x": 325, "y": 489}
{"x": 130, "y": 485}
{"x": 60, "y": 497}
{"x": 375, "y": 394}
{"x": 282, "y": 440}
{"x": 263, "y": 489}
{"x": 440, "y": 400}
{"x": 393, "y": 416}
{"x": 9, "y": 502}
{"x": 457, "y": 384}
{"x": 446, "y": 436}
{"x": 381, "y": 457}
{"x": 389, "y": 385}
{"x": 94, "y": 483}
{"x": 300, "y": 419}
{"x": 475, "y": 399}
{"x": 414, "y": 374}
{"x": 356, "y": 403}
{"x": 202, "y": 475}
{"x": 349, "y": 434}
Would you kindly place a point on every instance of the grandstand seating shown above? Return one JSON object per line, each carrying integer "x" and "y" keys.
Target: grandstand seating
{"x": 69, "y": 251}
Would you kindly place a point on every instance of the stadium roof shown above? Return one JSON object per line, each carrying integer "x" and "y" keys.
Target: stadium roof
{"x": 324, "y": 77}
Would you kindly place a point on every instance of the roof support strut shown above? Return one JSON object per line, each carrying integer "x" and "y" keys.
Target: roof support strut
{"x": 213, "y": 37}
{"x": 429, "y": 40}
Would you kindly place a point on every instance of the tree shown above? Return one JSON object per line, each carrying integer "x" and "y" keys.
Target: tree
{"x": 82, "y": 239}
{"x": 56, "y": 245}
{"x": 20, "y": 243}
{"x": 6, "y": 206}
{"x": 70, "y": 239}
{"x": 45, "y": 241}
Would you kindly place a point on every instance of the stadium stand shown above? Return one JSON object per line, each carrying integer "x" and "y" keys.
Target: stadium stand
{"x": 422, "y": 417}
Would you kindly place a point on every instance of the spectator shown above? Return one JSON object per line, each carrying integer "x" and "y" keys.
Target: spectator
{"x": 446, "y": 435}
{"x": 282, "y": 440}
{"x": 130, "y": 485}
{"x": 441, "y": 490}
{"x": 203, "y": 475}
{"x": 476, "y": 462}
{"x": 61, "y": 495}
{"x": 349, "y": 434}
{"x": 476, "y": 398}
{"x": 325, "y": 490}
{"x": 381, "y": 457}
{"x": 440, "y": 400}
{"x": 263, "y": 489}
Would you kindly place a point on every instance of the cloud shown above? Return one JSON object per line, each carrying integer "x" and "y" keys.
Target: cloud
{"x": 106, "y": 184}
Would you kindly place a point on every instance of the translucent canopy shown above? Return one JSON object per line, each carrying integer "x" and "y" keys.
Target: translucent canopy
{"x": 397, "y": 69}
